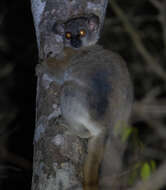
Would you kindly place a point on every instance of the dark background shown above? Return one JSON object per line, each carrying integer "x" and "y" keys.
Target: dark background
{"x": 18, "y": 57}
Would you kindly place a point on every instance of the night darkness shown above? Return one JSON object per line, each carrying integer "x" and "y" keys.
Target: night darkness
{"x": 18, "y": 57}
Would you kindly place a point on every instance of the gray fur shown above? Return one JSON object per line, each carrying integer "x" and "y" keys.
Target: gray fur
{"x": 97, "y": 83}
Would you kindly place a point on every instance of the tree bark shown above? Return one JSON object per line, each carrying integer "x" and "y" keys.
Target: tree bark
{"x": 58, "y": 157}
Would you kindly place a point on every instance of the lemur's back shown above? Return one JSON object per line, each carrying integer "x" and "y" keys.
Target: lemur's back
{"x": 104, "y": 77}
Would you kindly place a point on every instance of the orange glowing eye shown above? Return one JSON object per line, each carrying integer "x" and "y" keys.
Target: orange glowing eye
{"x": 68, "y": 35}
{"x": 82, "y": 33}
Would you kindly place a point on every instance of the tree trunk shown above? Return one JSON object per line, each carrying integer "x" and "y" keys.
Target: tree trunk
{"x": 58, "y": 157}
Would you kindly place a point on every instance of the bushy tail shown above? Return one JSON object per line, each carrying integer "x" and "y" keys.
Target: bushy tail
{"x": 103, "y": 164}
{"x": 111, "y": 166}
{"x": 93, "y": 161}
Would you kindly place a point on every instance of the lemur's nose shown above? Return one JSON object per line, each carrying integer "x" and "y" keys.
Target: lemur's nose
{"x": 75, "y": 41}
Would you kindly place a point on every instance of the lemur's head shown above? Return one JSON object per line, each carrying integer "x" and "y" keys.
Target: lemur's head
{"x": 79, "y": 32}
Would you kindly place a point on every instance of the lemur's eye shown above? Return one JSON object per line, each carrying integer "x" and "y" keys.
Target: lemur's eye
{"x": 82, "y": 33}
{"x": 68, "y": 35}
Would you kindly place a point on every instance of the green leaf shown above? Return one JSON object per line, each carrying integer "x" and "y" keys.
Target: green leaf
{"x": 134, "y": 174}
{"x": 133, "y": 177}
{"x": 153, "y": 165}
{"x": 126, "y": 133}
{"x": 145, "y": 171}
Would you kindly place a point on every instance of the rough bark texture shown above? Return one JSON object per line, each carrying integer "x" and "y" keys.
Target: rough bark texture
{"x": 58, "y": 157}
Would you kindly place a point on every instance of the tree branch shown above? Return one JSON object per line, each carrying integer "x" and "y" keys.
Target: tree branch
{"x": 149, "y": 59}
{"x": 161, "y": 6}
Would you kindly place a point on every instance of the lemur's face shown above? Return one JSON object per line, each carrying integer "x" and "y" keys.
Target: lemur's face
{"x": 79, "y": 32}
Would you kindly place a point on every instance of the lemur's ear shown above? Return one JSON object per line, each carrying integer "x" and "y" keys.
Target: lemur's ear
{"x": 93, "y": 22}
{"x": 58, "y": 28}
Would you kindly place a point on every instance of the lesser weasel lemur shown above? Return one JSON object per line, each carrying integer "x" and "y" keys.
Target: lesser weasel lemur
{"x": 96, "y": 90}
